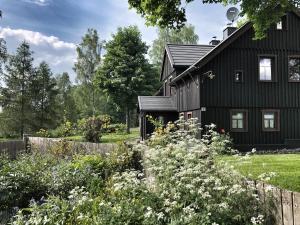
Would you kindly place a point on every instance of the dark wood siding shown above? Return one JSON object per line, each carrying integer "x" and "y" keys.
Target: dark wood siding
{"x": 221, "y": 94}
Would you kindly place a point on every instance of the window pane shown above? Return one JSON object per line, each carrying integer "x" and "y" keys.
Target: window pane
{"x": 279, "y": 25}
{"x": 272, "y": 124}
{"x": 294, "y": 69}
{"x": 238, "y": 116}
{"x": 234, "y": 124}
{"x": 266, "y": 123}
{"x": 269, "y": 116}
{"x": 240, "y": 124}
{"x": 265, "y": 69}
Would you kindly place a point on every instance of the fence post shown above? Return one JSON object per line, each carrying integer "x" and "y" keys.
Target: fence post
{"x": 26, "y": 143}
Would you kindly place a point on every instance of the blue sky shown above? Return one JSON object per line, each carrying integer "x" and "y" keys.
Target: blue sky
{"x": 54, "y": 27}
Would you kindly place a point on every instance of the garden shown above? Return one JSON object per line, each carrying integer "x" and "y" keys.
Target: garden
{"x": 172, "y": 178}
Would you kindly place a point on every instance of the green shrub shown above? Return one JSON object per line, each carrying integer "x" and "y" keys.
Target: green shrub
{"x": 66, "y": 129}
{"x": 182, "y": 186}
{"x": 43, "y": 133}
{"x": 92, "y": 129}
{"x": 118, "y": 128}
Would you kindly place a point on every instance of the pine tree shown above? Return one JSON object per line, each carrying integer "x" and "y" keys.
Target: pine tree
{"x": 16, "y": 92}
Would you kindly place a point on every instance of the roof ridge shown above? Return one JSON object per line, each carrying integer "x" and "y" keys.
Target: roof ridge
{"x": 190, "y": 44}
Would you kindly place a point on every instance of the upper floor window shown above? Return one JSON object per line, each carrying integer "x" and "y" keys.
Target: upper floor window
{"x": 294, "y": 69}
{"x": 279, "y": 25}
{"x": 266, "y": 68}
{"x": 282, "y": 24}
{"x": 270, "y": 120}
{"x": 238, "y": 76}
{"x": 239, "y": 120}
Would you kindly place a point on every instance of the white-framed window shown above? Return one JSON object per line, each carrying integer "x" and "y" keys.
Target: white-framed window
{"x": 266, "y": 68}
{"x": 239, "y": 120}
{"x": 270, "y": 120}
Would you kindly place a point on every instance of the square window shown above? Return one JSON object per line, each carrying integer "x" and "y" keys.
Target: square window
{"x": 239, "y": 120}
{"x": 294, "y": 69}
{"x": 189, "y": 115}
{"x": 270, "y": 120}
{"x": 266, "y": 68}
{"x": 238, "y": 76}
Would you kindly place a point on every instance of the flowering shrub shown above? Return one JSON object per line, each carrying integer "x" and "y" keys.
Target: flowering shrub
{"x": 181, "y": 185}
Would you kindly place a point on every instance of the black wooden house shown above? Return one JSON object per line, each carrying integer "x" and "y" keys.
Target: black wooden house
{"x": 249, "y": 88}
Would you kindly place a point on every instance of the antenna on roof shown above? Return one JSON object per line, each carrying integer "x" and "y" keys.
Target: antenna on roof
{"x": 232, "y": 14}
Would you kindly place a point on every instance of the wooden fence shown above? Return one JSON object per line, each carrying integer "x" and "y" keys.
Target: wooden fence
{"x": 12, "y": 148}
{"x": 287, "y": 204}
{"x": 43, "y": 144}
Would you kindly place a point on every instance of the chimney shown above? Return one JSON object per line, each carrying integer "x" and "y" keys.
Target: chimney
{"x": 228, "y": 31}
{"x": 214, "y": 41}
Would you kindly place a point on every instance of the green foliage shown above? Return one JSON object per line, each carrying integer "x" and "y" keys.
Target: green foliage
{"x": 16, "y": 93}
{"x": 88, "y": 59}
{"x": 119, "y": 128}
{"x": 67, "y": 105}
{"x": 172, "y": 13}
{"x": 125, "y": 72}
{"x": 92, "y": 129}
{"x": 66, "y": 129}
{"x": 43, "y": 133}
{"x": 165, "y": 35}
{"x": 181, "y": 185}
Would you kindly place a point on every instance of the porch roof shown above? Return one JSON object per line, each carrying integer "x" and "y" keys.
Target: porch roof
{"x": 156, "y": 104}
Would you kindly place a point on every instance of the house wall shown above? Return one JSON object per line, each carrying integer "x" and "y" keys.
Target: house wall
{"x": 222, "y": 94}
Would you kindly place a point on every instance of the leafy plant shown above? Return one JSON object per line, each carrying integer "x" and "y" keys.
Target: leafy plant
{"x": 92, "y": 129}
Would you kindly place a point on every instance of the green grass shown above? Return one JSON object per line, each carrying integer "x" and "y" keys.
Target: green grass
{"x": 112, "y": 138}
{"x": 286, "y": 167}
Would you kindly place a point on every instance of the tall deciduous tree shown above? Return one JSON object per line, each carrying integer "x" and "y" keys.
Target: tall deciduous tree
{"x": 88, "y": 59}
{"x": 65, "y": 100}
{"x": 43, "y": 93}
{"x": 125, "y": 71}
{"x": 16, "y": 93}
{"x": 186, "y": 35}
{"x": 172, "y": 13}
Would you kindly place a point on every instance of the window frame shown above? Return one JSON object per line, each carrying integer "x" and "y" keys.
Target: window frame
{"x": 289, "y": 57}
{"x": 235, "y": 73}
{"x": 245, "y": 120}
{"x": 189, "y": 114}
{"x": 273, "y": 67}
{"x": 276, "y": 120}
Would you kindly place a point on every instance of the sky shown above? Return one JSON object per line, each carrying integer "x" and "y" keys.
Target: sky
{"x": 53, "y": 28}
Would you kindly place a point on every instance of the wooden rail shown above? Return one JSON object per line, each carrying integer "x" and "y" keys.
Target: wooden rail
{"x": 12, "y": 148}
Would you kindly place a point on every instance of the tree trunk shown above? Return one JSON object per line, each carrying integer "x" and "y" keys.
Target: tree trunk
{"x": 128, "y": 120}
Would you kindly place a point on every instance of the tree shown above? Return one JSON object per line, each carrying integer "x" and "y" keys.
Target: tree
{"x": 43, "y": 94}
{"x": 125, "y": 71}
{"x": 15, "y": 93}
{"x": 88, "y": 59}
{"x": 165, "y": 35}
{"x": 65, "y": 99}
{"x": 172, "y": 13}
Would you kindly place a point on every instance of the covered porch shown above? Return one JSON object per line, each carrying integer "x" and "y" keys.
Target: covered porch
{"x": 159, "y": 107}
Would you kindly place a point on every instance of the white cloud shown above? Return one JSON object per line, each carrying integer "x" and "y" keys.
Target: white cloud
{"x": 38, "y": 2}
{"x": 35, "y": 38}
{"x": 60, "y": 55}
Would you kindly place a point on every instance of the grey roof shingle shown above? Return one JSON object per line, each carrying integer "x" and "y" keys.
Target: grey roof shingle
{"x": 186, "y": 55}
{"x": 156, "y": 103}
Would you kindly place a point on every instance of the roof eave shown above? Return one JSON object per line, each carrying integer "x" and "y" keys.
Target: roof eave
{"x": 215, "y": 51}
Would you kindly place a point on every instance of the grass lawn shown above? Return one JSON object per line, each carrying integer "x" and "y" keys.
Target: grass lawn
{"x": 286, "y": 167}
{"x": 112, "y": 138}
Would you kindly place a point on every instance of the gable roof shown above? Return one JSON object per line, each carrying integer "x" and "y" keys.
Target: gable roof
{"x": 186, "y": 55}
{"x": 214, "y": 51}
{"x": 183, "y": 55}
{"x": 156, "y": 103}
{"x": 219, "y": 48}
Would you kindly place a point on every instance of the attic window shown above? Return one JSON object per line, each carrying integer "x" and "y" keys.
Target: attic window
{"x": 279, "y": 25}
{"x": 294, "y": 69}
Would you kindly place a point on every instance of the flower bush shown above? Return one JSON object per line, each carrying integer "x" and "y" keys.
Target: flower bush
{"x": 92, "y": 129}
{"x": 180, "y": 184}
